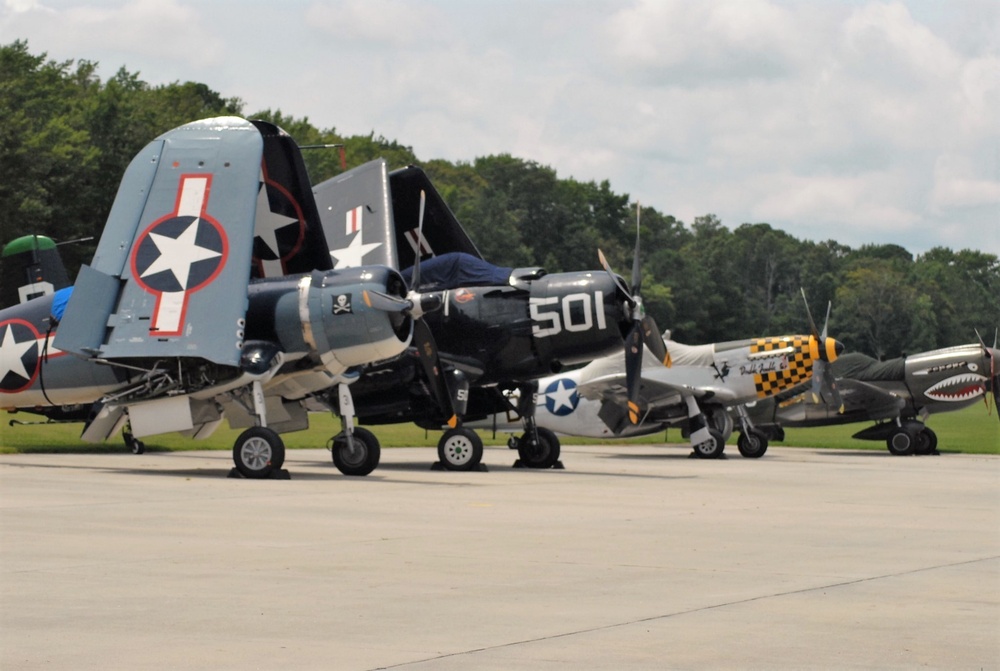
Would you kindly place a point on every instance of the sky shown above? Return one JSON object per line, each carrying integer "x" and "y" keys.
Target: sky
{"x": 857, "y": 121}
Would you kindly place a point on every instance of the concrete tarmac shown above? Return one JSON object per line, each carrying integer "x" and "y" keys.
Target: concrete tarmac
{"x": 631, "y": 558}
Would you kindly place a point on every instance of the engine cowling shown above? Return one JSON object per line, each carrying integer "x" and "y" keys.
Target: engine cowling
{"x": 576, "y": 317}
{"x": 325, "y": 316}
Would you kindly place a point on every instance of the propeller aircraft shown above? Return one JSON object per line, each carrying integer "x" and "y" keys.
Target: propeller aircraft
{"x": 694, "y": 391}
{"x": 485, "y": 329}
{"x": 898, "y": 395}
{"x": 211, "y": 296}
{"x": 677, "y": 385}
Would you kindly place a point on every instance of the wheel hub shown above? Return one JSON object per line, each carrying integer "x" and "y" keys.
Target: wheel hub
{"x": 256, "y": 453}
{"x": 458, "y": 451}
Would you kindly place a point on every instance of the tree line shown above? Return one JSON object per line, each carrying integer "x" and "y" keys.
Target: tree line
{"x": 68, "y": 137}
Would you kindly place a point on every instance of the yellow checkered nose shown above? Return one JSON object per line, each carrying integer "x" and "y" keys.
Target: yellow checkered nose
{"x": 826, "y": 349}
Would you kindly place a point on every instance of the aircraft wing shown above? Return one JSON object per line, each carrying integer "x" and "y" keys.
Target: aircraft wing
{"x": 663, "y": 389}
{"x": 288, "y": 233}
{"x": 170, "y": 275}
{"x": 867, "y": 398}
{"x": 862, "y": 401}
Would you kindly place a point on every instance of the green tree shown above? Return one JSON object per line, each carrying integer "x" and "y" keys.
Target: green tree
{"x": 46, "y": 148}
{"x": 882, "y": 314}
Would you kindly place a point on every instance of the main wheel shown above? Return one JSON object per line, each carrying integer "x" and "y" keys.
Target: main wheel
{"x": 362, "y": 459}
{"x": 926, "y": 441}
{"x": 711, "y": 448}
{"x": 258, "y": 451}
{"x": 902, "y": 441}
{"x": 460, "y": 449}
{"x": 543, "y": 454}
{"x": 752, "y": 444}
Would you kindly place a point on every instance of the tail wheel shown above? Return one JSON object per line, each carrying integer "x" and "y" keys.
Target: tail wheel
{"x": 135, "y": 445}
{"x": 362, "y": 459}
{"x": 543, "y": 454}
{"x": 258, "y": 451}
{"x": 752, "y": 444}
{"x": 460, "y": 449}
{"x": 711, "y": 448}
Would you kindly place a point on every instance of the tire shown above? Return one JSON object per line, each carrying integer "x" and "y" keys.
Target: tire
{"x": 258, "y": 451}
{"x": 460, "y": 449}
{"x": 135, "y": 445}
{"x": 752, "y": 444}
{"x": 360, "y": 461}
{"x": 902, "y": 442}
{"x": 711, "y": 448}
{"x": 543, "y": 455}
{"x": 926, "y": 442}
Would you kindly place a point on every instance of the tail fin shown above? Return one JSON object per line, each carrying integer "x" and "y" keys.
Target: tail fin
{"x": 31, "y": 267}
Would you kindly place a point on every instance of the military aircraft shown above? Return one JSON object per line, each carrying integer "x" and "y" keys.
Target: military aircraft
{"x": 211, "y": 296}
{"x": 497, "y": 328}
{"x": 898, "y": 395}
{"x": 694, "y": 391}
{"x": 678, "y": 385}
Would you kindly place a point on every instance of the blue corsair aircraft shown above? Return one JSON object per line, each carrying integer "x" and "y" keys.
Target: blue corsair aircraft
{"x": 212, "y": 295}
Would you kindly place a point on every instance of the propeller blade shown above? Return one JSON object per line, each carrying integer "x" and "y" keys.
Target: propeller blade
{"x": 991, "y": 354}
{"x": 654, "y": 341}
{"x": 644, "y": 330}
{"x": 824, "y": 386}
{"x": 427, "y": 352}
{"x": 636, "y": 271}
{"x": 812, "y": 324}
{"x": 995, "y": 381}
{"x": 633, "y": 371}
{"x": 423, "y": 338}
{"x": 385, "y": 302}
{"x": 622, "y": 289}
{"x": 415, "y": 283}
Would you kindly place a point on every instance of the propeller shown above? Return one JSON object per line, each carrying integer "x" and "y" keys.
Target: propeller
{"x": 991, "y": 353}
{"x": 823, "y": 383}
{"x": 644, "y": 330}
{"x": 417, "y": 305}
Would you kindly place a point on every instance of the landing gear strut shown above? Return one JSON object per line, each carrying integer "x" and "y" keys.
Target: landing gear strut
{"x": 259, "y": 451}
{"x": 356, "y": 451}
{"x": 751, "y": 443}
{"x": 537, "y": 447}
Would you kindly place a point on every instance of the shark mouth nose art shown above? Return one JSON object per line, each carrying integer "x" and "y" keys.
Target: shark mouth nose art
{"x": 958, "y": 388}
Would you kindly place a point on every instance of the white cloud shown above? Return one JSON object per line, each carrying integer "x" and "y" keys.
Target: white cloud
{"x": 866, "y": 122}
{"x": 168, "y": 31}
{"x": 21, "y": 6}
{"x": 374, "y": 23}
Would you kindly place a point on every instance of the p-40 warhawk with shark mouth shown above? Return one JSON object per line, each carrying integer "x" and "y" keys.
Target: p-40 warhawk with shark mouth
{"x": 898, "y": 395}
